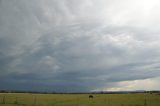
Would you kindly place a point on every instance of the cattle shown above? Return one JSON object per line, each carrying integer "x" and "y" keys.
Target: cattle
{"x": 90, "y": 96}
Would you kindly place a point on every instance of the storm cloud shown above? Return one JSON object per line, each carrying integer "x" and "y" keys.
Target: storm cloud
{"x": 70, "y": 46}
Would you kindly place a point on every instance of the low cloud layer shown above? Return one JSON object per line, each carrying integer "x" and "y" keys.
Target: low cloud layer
{"x": 82, "y": 45}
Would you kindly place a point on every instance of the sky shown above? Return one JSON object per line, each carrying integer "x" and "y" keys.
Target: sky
{"x": 79, "y": 45}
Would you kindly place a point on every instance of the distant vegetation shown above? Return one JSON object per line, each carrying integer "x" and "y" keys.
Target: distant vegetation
{"x": 96, "y": 92}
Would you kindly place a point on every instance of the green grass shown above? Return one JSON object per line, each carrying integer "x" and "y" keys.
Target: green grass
{"x": 26, "y": 99}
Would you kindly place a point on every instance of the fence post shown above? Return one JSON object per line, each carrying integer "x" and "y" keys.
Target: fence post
{"x": 78, "y": 102}
{"x": 3, "y": 100}
{"x": 16, "y": 101}
{"x": 55, "y": 102}
{"x": 145, "y": 104}
{"x": 155, "y": 101}
{"x": 34, "y": 101}
{"x": 105, "y": 99}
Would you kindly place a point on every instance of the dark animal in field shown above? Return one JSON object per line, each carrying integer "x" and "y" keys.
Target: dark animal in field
{"x": 90, "y": 96}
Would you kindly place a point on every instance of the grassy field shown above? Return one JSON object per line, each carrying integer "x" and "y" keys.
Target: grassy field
{"x": 26, "y": 99}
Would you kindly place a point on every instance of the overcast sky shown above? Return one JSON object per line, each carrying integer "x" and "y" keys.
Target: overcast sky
{"x": 79, "y": 45}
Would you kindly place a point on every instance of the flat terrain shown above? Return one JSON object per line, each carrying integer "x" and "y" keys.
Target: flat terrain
{"x": 27, "y": 99}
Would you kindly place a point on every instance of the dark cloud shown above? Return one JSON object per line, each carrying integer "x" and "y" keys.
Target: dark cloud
{"x": 75, "y": 45}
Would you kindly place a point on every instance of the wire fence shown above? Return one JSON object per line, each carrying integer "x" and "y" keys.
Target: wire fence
{"x": 34, "y": 101}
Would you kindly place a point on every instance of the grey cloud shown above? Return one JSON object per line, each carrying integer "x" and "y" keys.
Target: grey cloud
{"x": 69, "y": 46}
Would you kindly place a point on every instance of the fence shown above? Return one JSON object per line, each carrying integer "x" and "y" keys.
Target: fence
{"x": 96, "y": 101}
